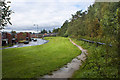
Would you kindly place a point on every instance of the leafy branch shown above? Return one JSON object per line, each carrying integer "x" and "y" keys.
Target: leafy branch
{"x": 5, "y": 13}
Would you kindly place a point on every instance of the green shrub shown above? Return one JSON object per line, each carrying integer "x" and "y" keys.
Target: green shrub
{"x": 102, "y": 62}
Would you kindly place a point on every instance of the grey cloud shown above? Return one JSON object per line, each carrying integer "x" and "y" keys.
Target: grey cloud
{"x": 47, "y": 14}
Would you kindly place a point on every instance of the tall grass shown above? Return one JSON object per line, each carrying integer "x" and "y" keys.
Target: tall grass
{"x": 101, "y": 62}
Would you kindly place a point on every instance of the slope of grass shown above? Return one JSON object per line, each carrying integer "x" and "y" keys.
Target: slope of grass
{"x": 36, "y": 61}
{"x": 101, "y": 62}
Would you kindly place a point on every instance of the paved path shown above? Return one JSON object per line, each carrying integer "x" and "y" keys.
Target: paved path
{"x": 68, "y": 70}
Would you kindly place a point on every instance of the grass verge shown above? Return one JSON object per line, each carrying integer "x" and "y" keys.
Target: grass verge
{"x": 101, "y": 62}
{"x": 36, "y": 61}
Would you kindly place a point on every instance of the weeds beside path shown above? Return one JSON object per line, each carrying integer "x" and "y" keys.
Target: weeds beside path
{"x": 97, "y": 64}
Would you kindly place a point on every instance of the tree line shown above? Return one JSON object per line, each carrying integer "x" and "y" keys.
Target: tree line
{"x": 53, "y": 31}
{"x": 100, "y": 21}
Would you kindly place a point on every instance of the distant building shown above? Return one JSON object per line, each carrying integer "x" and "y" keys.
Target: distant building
{"x": 6, "y": 38}
{"x": 40, "y": 35}
{"x": 28, "y": 36}
{"x": 23, "y": 36}
{"x": 33, "y": 36}
{"x": 13, "y": 38}
{"x": 49, "y": 34}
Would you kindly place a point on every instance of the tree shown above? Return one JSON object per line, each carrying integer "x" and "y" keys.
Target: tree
{"x": 100, "y": 23}
{"x": 55, "y": 30}
{"x": 118, "y": 35}
{"x": 44, "y": 31}
{"x": 13, "y": 33}
{"x": 5, "y": 13}
{"x": 63, "y": 29}
{"x": 49, "y": 31}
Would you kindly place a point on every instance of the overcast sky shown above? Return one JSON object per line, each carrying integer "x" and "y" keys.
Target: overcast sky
{"x": 48, "y": 14}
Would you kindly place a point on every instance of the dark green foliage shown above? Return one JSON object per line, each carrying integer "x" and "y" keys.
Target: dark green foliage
{"x": 13, "y": 33}
{"x": 5, "y": 13}
{"x": 98, "y": 64}
{"x": 101, "y": 23}
{"x": 44, "y": 31}
{"x": 118, "y": 37}
{"x": 62, "y": 31}
{"x": 49, "y": 31}
{"x": 55, "y": 30}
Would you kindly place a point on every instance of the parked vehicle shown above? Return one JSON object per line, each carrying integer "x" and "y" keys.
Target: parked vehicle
{"x": 35, "y": 40}
{"x": 32, "y": 38}
{"x": 26, "y": 42}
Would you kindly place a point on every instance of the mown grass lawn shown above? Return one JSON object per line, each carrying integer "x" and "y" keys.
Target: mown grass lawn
{"x": 36, "y": 61}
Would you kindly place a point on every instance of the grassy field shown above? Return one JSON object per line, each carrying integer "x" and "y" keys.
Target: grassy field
{"x": 102, "y": 62}
{"x": 36, "y": 61}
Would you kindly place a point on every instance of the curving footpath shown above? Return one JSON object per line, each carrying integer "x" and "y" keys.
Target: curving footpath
{"x": 67, "y": 70}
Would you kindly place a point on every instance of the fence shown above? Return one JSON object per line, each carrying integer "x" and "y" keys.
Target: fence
{"x": 98, "y": 43}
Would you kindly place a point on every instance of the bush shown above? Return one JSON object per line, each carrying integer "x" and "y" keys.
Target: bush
{"x": 102, "y": 62}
